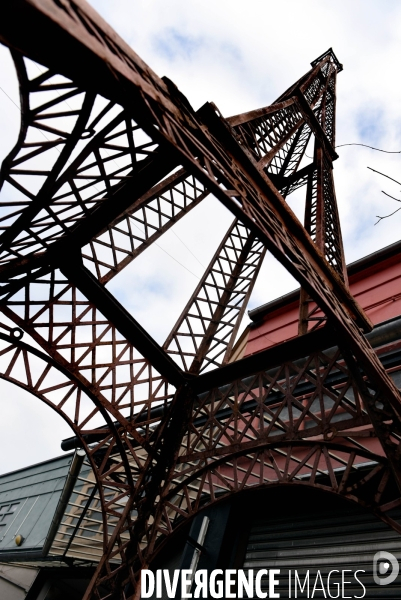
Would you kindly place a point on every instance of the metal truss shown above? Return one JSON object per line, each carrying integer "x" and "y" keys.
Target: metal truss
{"x": 108, "y": 158}
{"x": 204, "y": 335}
{"x": 45, "y": 378}
{"x": 124, "y": 240}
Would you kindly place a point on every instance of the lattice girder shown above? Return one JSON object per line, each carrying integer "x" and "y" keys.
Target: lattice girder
{"x": 43, "y": 377}
{"x": 204, "y": 334}
{"x": 317, "y": 379}
{"x": 99, "y": 155}
{"x": 281, "y": 156}
{"x": 131, "y": 234}
{"x": 73, "y": 332}
{"x": 306, "y": 419}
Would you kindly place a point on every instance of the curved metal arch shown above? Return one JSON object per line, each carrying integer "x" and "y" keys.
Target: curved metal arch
{"x": 112, "y": 438}
{"x": 221, "y": 479}
{"x": 34, "y": 120}
{"x": 120, "y": 451}
{"x": 102, "y": 150}
{"x": 78, "y": 342}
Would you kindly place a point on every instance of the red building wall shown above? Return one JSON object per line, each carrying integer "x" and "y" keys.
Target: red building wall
{"x": 375, "y": 282}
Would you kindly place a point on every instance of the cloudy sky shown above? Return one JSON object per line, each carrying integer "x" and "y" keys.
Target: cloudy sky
{"x": 240, "y": 56}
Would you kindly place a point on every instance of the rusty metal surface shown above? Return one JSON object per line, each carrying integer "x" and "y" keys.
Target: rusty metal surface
{"x": 118, "y": 168}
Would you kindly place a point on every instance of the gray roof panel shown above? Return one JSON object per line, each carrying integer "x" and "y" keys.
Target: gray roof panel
{"x": 28, "y": 501}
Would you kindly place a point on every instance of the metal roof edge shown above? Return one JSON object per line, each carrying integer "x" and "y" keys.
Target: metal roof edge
{"x": 21, "y": 556}
{"x": 39, "y": 464}
{"x": 256, "y": 314}
{"x": 75, "y": 468}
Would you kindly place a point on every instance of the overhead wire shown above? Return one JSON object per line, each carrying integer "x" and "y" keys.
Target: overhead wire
{"x": 384, "y": 175}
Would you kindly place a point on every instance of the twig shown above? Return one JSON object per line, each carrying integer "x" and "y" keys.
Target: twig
{"x": 390, "y": 215}
{"x": 366, "y": 146}
{"x": 386, "y": 194}
{"x": 372, "y": 148}
{"x": 380, "y": 173}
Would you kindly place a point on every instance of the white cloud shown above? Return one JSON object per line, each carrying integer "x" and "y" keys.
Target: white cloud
{"x": 243, "y": 56}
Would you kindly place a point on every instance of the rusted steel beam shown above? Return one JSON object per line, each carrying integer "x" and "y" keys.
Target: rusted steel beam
{"x": 258, "y": 218}
{"x": 266, "y": 359}
{"x": 14, "y": 166}
{"x": 92, "y": 177}
{"x": 105, "y": 59}
{"x": 281, "y": 182}
{"x": 127, "y": 195}
{"x": 316, "y": 127}
{"x": 264, "y": 211}
{"x": 297, "y": 351}
{"x": 81, "y": 340}
{"x": 330, "y": 466}
{"x": 154, "y": 481}
{"x": 276, "y": 124}
{"x": 251, "y": 115}
{"x": 267, "y": 158}
{"x": 300, "y": 104}
{"x": 330, "y": 53}
{"x": 384, "y": 417}
{"x": 307, "y": 83}
{"x": 122, "y": 320}
{"x": 269, "y": 137}
{"x": 242, "y": 447}
{"x": 321, "y": 212}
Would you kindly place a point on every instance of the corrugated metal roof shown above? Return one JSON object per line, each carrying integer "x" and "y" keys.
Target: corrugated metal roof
{"x": 28, "y": 501}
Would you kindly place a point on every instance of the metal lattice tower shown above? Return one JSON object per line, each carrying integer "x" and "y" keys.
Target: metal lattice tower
{"x": 169, "y": 430}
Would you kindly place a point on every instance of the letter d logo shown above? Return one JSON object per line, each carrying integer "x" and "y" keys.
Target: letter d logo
{"x": 381, "y": 564}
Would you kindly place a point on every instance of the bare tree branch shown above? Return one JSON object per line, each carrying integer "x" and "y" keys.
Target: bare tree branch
{"x": 386, "y": 194}
{"x": 390, "y": 215}
{"x": 380, "y": 173}
{"x": 372, "y": 148}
